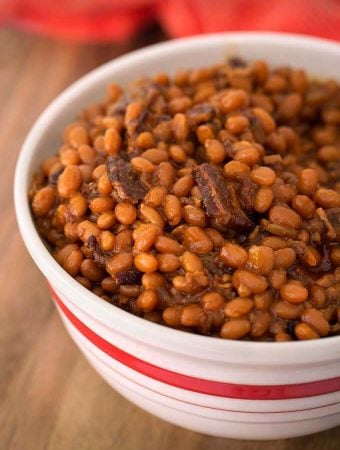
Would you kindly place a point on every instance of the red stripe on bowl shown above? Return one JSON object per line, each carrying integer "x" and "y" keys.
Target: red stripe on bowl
{"x": 220, "y": 389}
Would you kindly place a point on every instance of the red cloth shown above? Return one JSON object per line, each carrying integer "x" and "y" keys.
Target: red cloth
{"x": 106, "y": 20}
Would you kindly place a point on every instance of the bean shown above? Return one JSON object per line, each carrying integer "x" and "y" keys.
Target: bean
{"x": 194, "y": 216}
{"x": 155, "y": 155}
{"x": 261, "y": 325}
{"x": 261, "y": 259}
{"x": 314, "y": 318}
{"x": 335, "y": 256}
{"x": 133, "y": 110}
{"x": 173, "y": 210}
{"x": 99, "y": 291}
{"x": 118, "y": 263}
{"x": 298, "y": 80}
{"x": 73, "y": 262}
{"x": 177, "y": 153}
{"x": 172, "y": 315}
{"x": 125, "y": 213}
{"x": 267, "y": 122}
{"x": 317, "y": 295}
{"x": 204, "y": 132}
{"x": 183, "y": 186}
{"x": 77, "y": 136}
{"x": 290, "y": 107}
{"x": 83, "y": 281}
{"x": 165, "y": 174}
{"x": 129, "y": 291}
{"x": 216, "y": 237}
{"x": 191, "y": 262}
{"x": 215, "y": 152}
{"x": 104, "y": 185}
{"x": 165, "y": 244}
{"x": 145, "y": 140}
{"x": 112, "y": 141}
{"x": 151, "y": 215}
{"x": 304, "y": 332}
{"x": 329, "y": 153}
{"x": 167, "y": 262}
{"x": 235, "y": 329}
{"x": 106, "y": 220}
{"x": 43, "y": 201}
{"x": 287, "y": 311}
{"x": 238, "y": 307}
{"x": 327, "y": 198}
{"x": 304, "y": 206}
{"x": 69, "y": 157}
{"x": 91, "y": 271}
{"x": 263, "y": 176}
{"x": 247, "y": 282}
{"x": 236, "y": 124}
{"x": 179, "y": 104}
{"x": 294, "y": 292}
{"x": 145, "y": 236}
{"x": 260, "y": 71}
{"x": 71, "y": 232}
{"x": 77, "y": 205}
{"x": 274, "y": 242}
{"x": 285, "y": 216}
{"x": 180, "y": 127}
{"x": 233, "y": 100}
{"x": 114, "y": 91}
{"x": 188, "y": 283}
{"x": 212, "y": 301}
{"x": 236, "y": 170}
{"x": 155, "y": 197}
{"x": 248, "y": 155}
{"x": 147, "y": 300}
{"x": 153, "y": 280}
{"x": 285, "y": 258}
{"x": 263, "y": 301}
{"x": 48, "y": 164}
{"x": 70, "y": 258}
{"x": 86, "y": 229}
{"x": 233, "y": 255}
{"x": 197, "y": 241}
{"x": 192, "y": 316}
{"x": 100, "y": 205}
{"x": 311, "y": 256}
{"x": 163, "y": 131}
{"x": 109, "y": 285}
{"x": 282, "y": 337}
{"x": 107, "y": 241}
{"x": 142, "y": 165}
{"x": 275, "y": 83}
{"x": 333, "y": 293}
{"x": 146, "y": 262}
{"x": 308, "y": 181}
{"x": 86, "y": 154}
{"x": 69, "y": 181}
{"x": 263, "y": 199}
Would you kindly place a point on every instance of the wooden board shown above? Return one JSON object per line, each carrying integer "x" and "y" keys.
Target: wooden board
{"x": 50, "y": 398}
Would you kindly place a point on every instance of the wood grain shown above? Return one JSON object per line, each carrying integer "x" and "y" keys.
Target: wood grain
{"x": 50, "y": 398}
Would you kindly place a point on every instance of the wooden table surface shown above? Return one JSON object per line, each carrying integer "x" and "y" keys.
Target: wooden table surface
{"x": 50, "y": 398}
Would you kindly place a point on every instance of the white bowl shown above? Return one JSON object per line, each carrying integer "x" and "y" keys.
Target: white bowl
{"x": 248, "y": 390}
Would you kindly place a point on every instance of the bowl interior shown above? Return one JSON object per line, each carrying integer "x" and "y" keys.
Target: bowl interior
{"x": 319, "y": 57}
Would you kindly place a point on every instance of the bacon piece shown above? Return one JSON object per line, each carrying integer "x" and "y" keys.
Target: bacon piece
{"x": 220, "y": 200}
{"x": 125, "y": 181}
